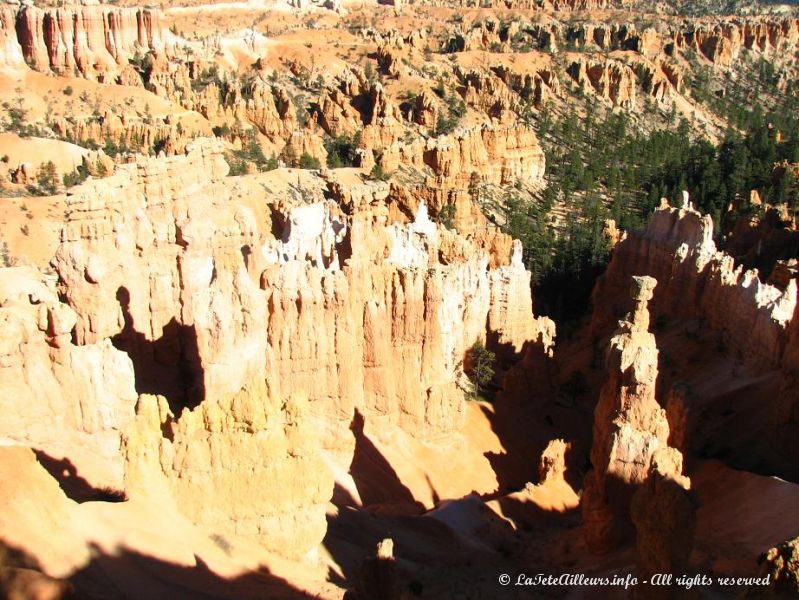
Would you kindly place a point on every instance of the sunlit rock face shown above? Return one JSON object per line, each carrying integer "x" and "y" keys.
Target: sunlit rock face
{"x": 202, "y": 349}
{"x": 88, "y": 40}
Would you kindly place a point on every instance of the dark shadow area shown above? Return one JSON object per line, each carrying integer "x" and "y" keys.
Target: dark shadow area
{"x": 377, "y": 482}
{"x": 431, "y": 558}
{"x": 566, "y": 297}
{"x": 131, "y": 575}
{"x": 727, "y": 421}
{"x": 527, "y": 414}
{"x": 342, "y": 496}
{"x": 169, "y": 366}
{"x": 455, "y": 551}
{"x": 429, "y": 553}
{"x": 73, "y": 485}
{"x": 21, "y": 577}
{"x": 528, "y": 516}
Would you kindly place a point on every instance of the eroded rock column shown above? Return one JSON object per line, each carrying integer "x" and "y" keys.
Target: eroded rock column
{"x": 629, "y": 426}
{"x": 636, "y": 489}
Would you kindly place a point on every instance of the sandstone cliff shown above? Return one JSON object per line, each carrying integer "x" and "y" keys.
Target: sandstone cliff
{"x": 86, "y": 40}
{"x": 694, "y": 280}
{"x": 233, "y": 321}
{"x": 663, "y": 510}
{"x": 498, "y": 155}
{"x": 59, "y": 396}
{"x": 10, "y": 49}
{"x": 609, "y": 79}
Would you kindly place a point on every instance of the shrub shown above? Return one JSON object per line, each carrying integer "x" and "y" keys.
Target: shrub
{"x": 446, "y": 216}
{"x": 342, "y": 151}
{"x": 237, "y": 166}
{"x": 79, "y": 176}
{"x": 68, "y": 91}
{"x": 5, "y": 256}
{"x": 378, "y": 174}
{"x": 309, "y": 162}
{"x": 456, "y": 109}
{"x": 47, "y": 178}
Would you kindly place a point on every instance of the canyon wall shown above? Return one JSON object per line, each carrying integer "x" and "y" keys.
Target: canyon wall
{"x": 787, "y": 408}
{"x": 333, "y": 305}
{"x": 499, "y": 155}
{"x": 84, "y": 40}
{"x": 696, "y": 281}
{"x": 200, "y": 345}
{"x": 57, "y": 396}
{"x": 752, "y": 323}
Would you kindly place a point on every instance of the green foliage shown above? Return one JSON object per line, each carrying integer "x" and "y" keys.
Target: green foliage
{"x": 5, "y": 256}
{"x": 68, "y": 91}
{"x": 77, "y": 176}
{"x": 527, "y": 221}
{"x": 309, "y": 162}
{"x": 47, "y": 178}
{"x": 237, "y": 165}
{"x": 481, "y": 371}
{"x": 206, "y": 77}
{"x": 342, "y": 151}
{"x": 456, "y": 109}
{"x": 602, "y": 165}
{"x": 703, "y": 8}
{"x": 222, "y": 131}
{"x": 251, "y": 152}
{"x": 446, "y": 216}
{"x": 378, "y": 174}
{"x": 143, "y": 64}
{"x": 17, "y": 121}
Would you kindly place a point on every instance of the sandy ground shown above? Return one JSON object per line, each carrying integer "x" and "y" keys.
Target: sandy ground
{"x": 44, "y": 96}
{"x": 30, "y": 226}
{"x": 66, "y": 157}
